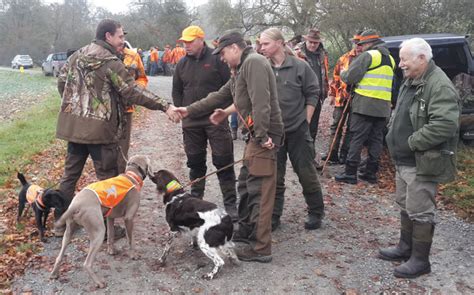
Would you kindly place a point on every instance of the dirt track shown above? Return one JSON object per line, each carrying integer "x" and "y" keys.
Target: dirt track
{"x": 339, "y": 257}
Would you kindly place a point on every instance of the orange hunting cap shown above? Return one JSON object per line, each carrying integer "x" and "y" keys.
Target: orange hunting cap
{"x": 191, "y": 33}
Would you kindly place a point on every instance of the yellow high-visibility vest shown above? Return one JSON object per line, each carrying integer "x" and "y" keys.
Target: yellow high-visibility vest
{"x": 377, "y": 81}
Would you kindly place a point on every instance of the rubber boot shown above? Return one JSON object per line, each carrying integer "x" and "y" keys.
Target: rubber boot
{"x": 349, "y": 176}
{"x": 370, "y": 173}
{"x": 419, "y": 262}
{"x": 403, "y": 250}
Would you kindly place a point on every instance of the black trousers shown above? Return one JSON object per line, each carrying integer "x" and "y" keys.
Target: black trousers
{"x": 366, "y": 128}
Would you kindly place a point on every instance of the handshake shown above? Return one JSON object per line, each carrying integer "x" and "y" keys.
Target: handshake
{"x": 176, "y": 114}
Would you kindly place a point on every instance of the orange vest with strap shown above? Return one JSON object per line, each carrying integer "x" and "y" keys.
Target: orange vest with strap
{"x": 34, "y": 194}
{"x": 112, "y": 191}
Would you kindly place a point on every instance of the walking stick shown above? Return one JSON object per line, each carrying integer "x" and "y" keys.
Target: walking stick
{"x": 338, "y": 129}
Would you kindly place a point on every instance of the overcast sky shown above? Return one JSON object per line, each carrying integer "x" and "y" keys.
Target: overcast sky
{"x": 116, "y": 6}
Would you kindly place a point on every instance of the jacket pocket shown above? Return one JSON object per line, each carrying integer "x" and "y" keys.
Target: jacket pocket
{"x": 434, "y": 163}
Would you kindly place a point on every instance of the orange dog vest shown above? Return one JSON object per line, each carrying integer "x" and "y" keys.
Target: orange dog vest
{"x": 112, "y": 191}
{"x": 34, "y": 194}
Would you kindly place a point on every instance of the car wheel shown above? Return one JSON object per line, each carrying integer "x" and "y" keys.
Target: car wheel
{"x": 55, "y": 73}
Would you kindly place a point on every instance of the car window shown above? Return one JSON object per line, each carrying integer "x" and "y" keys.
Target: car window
{"x": 49, "y": 58}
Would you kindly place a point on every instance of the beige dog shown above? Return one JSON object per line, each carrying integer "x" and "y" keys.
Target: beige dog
{"x": 100, "y": 199}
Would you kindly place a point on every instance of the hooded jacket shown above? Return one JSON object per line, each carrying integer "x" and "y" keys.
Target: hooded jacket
{"x": 96, "y": 88}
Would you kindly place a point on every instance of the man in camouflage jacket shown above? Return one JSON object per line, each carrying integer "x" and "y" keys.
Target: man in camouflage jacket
{"x": 96, "y": 89}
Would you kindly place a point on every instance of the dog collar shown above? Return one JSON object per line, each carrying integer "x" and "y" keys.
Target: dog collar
{"x": 172, "y": 186}
{"x": 136, "y": 178}
{"x": 39, "y": 200}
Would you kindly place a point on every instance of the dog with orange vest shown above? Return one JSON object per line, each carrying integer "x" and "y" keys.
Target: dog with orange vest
{"x": 116, "y": 197}
{"x": 42, "y": 201}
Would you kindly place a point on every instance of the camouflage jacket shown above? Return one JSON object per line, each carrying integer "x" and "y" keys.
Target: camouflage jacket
{"x": 96, "y": 88}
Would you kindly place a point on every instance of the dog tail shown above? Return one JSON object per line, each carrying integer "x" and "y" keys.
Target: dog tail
{"x": 22, "y": 178}
{"x": 62, "y": 220}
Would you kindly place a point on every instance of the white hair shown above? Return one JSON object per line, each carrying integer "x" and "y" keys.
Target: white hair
{"x": 417, "y": 47}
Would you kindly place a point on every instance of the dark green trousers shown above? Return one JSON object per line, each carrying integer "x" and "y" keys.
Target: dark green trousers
{"x": 298, "y": 146}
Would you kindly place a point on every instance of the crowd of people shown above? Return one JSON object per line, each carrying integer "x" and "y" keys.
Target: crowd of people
{"x": 275, "y": 91}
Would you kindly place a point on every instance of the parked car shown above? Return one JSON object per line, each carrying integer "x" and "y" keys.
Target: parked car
{"x": 22, "y": 60}
{"x": 53, "y": 63}
{"x": 452, "y": 54}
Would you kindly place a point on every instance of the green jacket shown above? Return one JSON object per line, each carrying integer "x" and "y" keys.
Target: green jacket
{"x": 434, "y": 115}
{"x": 362, "y": 104}
{"x": 297, "y": 87}
{"x": 96, "y": 88}
{"x": 252, "y": 88}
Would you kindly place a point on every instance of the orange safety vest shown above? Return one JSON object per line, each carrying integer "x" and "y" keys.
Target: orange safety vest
{"x": 34, "y": 194}
{"x": 338, "y": 88}
{"x": 167, "y": 56}
{"x": 178, "y": 53}
{"x": 112, "y": 191}
{"x": 154, "y": 56}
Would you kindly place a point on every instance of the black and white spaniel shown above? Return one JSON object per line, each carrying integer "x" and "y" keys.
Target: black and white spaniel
{"x": 210, "y": 226}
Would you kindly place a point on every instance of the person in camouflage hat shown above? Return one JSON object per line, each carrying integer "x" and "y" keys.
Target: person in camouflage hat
{"x": 96, "y": 89}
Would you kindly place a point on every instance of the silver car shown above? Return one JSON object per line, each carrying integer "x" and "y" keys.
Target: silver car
{"x": 53, "y": 63}
{"x": 24, "y": 61}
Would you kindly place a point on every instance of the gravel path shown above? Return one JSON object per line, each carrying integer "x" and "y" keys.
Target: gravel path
{"x": 338, "y": 258}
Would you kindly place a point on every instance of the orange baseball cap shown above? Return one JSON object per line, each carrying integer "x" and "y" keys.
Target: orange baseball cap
{"x": 191, "y": 33}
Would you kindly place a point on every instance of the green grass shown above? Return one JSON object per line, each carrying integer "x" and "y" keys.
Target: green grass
{"x": 30, "y": 133}
{"x": 24, "y": 247}
{"x": 461, "y": 192}
{"x": 16, "y": 84}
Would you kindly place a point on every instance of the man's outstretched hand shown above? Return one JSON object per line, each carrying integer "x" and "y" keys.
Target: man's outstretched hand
{"x": 173, "y": 114}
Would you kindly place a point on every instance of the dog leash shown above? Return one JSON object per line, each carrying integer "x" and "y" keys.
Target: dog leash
{"x": 223, "y": 168}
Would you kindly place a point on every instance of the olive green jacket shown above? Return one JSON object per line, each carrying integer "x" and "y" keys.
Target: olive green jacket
{"x": 434, "y": 115}
{"x": 252, "y": 88}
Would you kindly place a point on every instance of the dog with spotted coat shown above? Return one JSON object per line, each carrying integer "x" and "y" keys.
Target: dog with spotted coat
{"x": 211, "y": 227}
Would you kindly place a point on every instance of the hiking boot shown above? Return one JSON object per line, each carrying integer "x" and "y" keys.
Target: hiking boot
{"x": 349, "y": 176}
{"x": 369, "y": 174}
{"x": 248, "y": 254}
{"x": 403, "y": 250}
{"x": 119, "y": 232}
{"x": 369, "y": 177}
{"x": 419, "y": 262}
{"x": 312, "y": 222}
{"x": 239, "y": 237}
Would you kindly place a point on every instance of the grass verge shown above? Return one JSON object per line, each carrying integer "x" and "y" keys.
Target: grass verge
{"x": 27, "y": 135}
{"x": 460, "y": 193}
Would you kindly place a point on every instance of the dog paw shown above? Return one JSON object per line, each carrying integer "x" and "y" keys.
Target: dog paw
{"x": 133, "y": 255}
{"x": 208, "y": 276}
{"x": 162, "y": 262}
{"x": 101, "y": 285}
{"x": 53, "y": 276}
{"x": 112, "y": 251}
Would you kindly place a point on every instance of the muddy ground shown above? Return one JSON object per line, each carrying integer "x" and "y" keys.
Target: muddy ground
{"x": 338, "y": 258}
